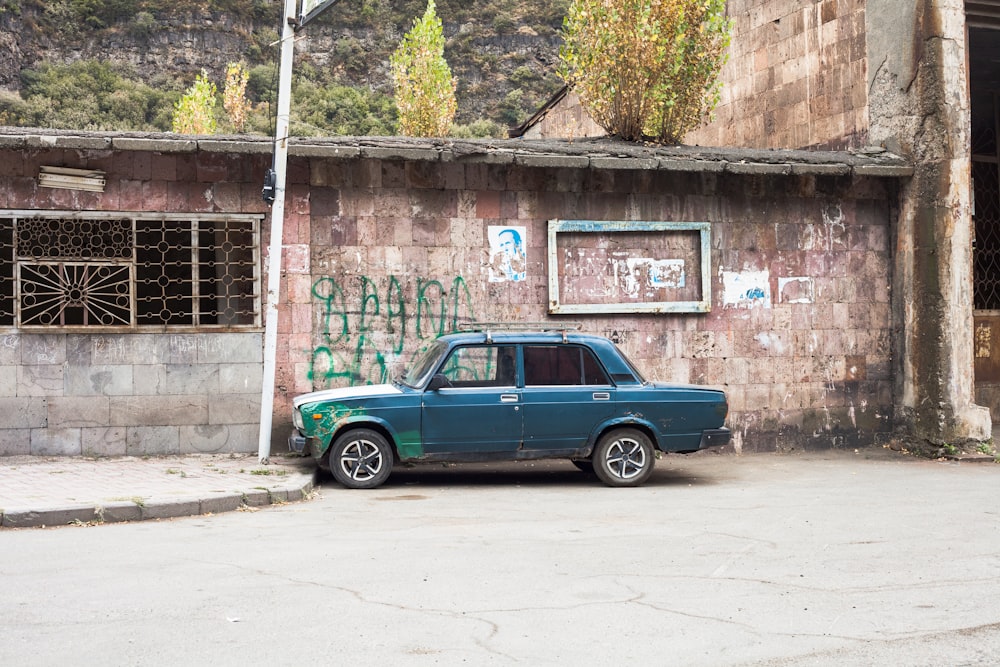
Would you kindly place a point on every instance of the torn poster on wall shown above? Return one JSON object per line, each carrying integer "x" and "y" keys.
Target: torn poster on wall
{"x": 619, "y": 266}
{"x": 508, "y": 261}
{"x": 634, "y": 274}
{"x": 795, "y": 290}
{"x": 746, "y": 289}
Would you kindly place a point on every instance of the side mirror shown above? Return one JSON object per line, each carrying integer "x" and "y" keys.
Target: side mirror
{"x": 439, "y": 381}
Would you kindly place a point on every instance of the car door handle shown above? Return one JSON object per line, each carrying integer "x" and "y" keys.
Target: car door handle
{"x": 602, "y": 396}
{"x": 508, "y": 398}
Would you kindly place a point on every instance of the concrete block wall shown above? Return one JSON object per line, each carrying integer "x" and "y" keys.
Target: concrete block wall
{"x": 129, "y": 394}
{"x": 395, "y": 253}
{"x": 796, "y": 77}
{"x": 114, "y": 394}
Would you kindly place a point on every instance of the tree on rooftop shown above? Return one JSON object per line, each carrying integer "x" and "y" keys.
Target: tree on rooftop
{"x": 234, "y": 96}
{"x": 195, "y": 111}
{"x": 646, "y": 69}
{"x": 424, "y": 87}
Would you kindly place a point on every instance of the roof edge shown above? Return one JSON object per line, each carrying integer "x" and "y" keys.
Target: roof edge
{"x": 590, "y": 153}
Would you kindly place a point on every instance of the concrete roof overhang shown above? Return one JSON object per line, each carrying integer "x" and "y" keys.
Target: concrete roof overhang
{"x": 597, "y": 153}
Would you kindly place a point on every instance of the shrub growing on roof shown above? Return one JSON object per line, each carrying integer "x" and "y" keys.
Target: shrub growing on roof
{"x": 646, "y": 69}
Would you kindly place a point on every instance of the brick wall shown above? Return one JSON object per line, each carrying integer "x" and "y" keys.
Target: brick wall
{"x": 796, "y": 77}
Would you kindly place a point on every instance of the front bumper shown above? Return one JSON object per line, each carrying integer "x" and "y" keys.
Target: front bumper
{"x": 297, "y": 443}
{"x": 715, "y": 437}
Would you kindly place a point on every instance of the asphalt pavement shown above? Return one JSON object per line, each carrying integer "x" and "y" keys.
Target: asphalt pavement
{"x": 803, "y": 559}
{"x": 38, "y": 491}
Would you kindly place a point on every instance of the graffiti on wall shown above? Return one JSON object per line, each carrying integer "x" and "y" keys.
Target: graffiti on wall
{"x": 366, "y": 329}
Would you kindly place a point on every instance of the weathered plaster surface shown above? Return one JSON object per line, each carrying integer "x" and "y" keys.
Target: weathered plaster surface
{"x": 920, "y": 108}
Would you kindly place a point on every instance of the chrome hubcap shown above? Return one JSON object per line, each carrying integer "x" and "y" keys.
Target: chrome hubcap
{"x": 626, "y": 458}
{"x": 361, "y": 460}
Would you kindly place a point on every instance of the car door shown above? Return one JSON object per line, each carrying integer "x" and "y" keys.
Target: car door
{"x": 479, "y": 411}
{"x": 566, "y": 394}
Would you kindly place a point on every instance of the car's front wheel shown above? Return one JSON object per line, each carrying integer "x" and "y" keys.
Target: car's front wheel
{"x": 624, "y": 457}
{"x": 361, "y": 459}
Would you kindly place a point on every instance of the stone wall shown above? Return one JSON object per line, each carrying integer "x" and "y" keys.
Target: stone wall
{"x": 795, "y": 77}
{"x": 388, "y": 245}
{"x": 398, "y": 252}
{"x": 129, "y": 394}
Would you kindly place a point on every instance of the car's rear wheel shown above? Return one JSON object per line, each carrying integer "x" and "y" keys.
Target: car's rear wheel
{"x": 624, "y": 457}
{"x": 361, "y": 459}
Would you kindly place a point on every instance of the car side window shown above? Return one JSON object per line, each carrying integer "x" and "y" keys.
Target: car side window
{"x": 561, "y": 365}
{"x": 481, "y": 366}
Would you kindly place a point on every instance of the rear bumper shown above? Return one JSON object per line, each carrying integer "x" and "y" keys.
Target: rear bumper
{"x": 715, "y": 437}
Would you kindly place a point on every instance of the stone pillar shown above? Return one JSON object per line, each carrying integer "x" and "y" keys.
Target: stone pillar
{"x": 919, "y": 107}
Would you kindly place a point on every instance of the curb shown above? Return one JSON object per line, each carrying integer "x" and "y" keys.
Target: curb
{"x": 124, "y": 511}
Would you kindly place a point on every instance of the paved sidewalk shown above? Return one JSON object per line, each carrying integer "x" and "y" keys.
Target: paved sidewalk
{"x": 56, "y": 491}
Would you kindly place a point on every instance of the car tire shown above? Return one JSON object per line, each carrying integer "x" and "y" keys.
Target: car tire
{"x": 361, "y": 459}
{"x": 624, "y": 457}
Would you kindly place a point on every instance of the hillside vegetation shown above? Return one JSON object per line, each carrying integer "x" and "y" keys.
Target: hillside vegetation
{"x": 123, "y": 64}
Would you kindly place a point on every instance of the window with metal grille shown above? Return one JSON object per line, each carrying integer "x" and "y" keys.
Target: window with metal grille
{"x": 92, "y": 269}
{"x": 986, "y": 209}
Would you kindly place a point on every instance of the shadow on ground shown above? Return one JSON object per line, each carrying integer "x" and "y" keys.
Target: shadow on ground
{"x": 668, "y": 473}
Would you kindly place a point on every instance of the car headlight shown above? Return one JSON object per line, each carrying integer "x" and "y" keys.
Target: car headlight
{"x": 297, "y": 419}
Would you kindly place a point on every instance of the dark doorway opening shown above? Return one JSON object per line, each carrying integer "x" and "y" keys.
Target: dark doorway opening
{"x": 984, "y": 86}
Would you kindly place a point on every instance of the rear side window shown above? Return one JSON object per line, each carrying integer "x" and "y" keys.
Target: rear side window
{"x": 561, "y": 365}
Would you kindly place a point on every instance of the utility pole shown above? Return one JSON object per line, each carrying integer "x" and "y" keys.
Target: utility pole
{"x": 279, "y": 165}
{"x": 274, "y": 186}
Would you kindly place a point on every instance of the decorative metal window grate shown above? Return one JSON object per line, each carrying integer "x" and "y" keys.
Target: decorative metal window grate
{"x": 987, "y": 251}
{"x": 105, "y": 270}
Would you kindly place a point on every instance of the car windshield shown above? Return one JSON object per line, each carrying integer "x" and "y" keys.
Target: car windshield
{"x": 415, "y": 375}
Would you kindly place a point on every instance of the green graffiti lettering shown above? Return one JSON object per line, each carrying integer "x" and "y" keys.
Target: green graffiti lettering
{"x": 396, "y": 307}
{"x": 332, "y": 299}
{"x": 425, "y": 310}
{"x": 458, "y": 290}
{"x": 369, "y": 300}
{"x": 324, "y": 368}
{"x": 429, "y": 311}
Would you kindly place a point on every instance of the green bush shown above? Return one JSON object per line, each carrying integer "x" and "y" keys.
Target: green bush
{"x": 13, "y": 110}
{"x": 479, "y": 129}
{"x": 340, "y": 110}
{"x": 87, "y": 95}
{"x": 195, "y": 112}
{"x": 646, "y": 69}
{"x": 142, "y": 25}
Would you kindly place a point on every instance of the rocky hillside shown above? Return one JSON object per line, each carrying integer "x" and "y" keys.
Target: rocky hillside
{"x": 503, "y": 52}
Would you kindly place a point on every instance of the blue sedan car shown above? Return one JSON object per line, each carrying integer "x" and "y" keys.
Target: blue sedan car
{"x": 505, "y": 396}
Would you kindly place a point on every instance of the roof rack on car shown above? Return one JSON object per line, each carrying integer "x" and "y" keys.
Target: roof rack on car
{"x": 490, "y": 327}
